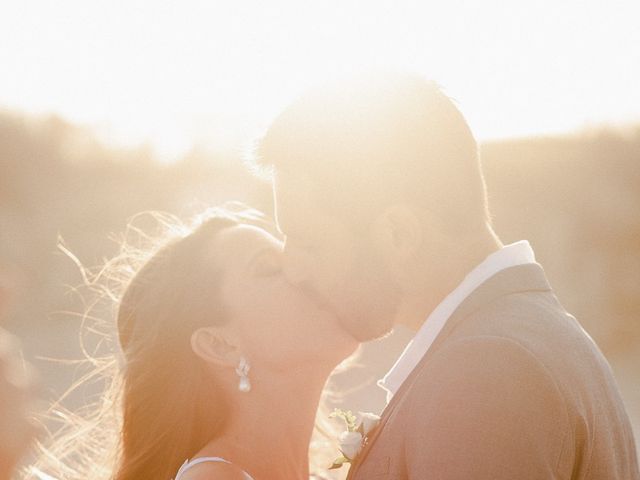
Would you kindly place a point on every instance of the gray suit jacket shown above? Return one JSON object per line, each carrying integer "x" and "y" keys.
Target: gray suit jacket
{"x": 512, "y": 388}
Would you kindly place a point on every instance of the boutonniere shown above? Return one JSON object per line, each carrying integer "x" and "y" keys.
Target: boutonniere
{"x": 355, "y": 437}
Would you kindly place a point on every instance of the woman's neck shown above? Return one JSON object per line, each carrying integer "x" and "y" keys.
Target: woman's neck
{"x": 270, "y": 427}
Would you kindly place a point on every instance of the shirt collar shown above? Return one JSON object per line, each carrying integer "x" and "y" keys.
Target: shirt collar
{"x": 518, "y": 253}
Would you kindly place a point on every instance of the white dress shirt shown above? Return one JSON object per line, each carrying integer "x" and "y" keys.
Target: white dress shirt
{"x": 518, "y": 253}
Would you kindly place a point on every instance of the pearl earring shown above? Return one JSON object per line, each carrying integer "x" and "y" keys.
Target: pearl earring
{"x": 243, "y": 371}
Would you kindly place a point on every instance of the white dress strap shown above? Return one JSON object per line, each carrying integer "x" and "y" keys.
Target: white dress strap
{"x": 191, "y": 463}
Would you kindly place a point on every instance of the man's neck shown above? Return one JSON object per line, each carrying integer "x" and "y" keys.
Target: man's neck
{"x": 441, "y": 275}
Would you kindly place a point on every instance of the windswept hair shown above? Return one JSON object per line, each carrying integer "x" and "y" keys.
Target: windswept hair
{"x": 159, "y": 406}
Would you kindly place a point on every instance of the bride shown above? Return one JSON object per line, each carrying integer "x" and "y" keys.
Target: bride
{"x": 224, "y": 363}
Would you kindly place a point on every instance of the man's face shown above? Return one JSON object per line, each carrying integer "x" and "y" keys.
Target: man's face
{"x": 337, "y": 268}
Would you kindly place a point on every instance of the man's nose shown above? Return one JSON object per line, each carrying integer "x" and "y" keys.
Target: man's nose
{"x": 296, "y": 265}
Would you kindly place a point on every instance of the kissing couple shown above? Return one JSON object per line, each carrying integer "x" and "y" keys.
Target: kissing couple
{"x": 229, "y": 332}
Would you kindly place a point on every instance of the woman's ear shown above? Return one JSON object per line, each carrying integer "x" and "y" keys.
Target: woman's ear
{"x": 213, "y": 347}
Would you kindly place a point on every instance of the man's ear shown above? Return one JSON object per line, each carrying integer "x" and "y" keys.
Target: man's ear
{"x": 213, "y": 347}
{"x": 398, "y": 232}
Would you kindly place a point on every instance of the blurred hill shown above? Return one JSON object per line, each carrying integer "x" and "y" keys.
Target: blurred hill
{"x": 575, "y": 197}
{"x": 58, "y": 183}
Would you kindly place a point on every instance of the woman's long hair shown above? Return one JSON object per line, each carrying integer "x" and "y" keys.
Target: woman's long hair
{"x": 160, "y": 406}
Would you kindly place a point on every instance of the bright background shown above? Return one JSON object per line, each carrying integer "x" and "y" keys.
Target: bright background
{"x": 211, "y": 71}
{"x": 109, "y": 108}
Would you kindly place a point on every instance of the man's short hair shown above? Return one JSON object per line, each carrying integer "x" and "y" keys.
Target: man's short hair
{"x": 371, "y": 141}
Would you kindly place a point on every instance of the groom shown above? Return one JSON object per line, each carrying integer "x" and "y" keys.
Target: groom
{"x": 380, "y": 194}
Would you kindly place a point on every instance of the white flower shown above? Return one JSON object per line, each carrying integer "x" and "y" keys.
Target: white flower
{"x": 352, "y": 441}
{"x": 350, "y": 444}
{"x": 369, "y": 422}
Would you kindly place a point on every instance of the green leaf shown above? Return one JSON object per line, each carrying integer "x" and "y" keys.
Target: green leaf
{"x": 338, "y": 462}
{"x": 351, "y": 421}
{"x": 347, "y": 416}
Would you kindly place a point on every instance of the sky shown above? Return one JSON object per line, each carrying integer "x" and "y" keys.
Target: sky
{"x": 213, "y": 72}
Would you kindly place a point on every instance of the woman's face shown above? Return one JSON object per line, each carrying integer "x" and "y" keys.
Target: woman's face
{"x": 278, "y": 325}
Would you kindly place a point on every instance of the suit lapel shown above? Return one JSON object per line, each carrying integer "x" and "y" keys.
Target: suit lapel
{"x": 518, "y": 279}
{"x": 386, "y": 414}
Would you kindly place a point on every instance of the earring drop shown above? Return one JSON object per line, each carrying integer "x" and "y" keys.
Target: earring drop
{"x": 243, "y": 372}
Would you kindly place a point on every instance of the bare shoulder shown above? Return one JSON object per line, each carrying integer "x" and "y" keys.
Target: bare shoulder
{"x": 213, "y": 471}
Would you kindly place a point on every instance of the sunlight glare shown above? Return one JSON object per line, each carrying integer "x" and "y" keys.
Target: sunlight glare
{"x": 175, "y": 74}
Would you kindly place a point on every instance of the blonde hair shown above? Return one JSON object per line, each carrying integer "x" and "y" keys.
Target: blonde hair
{"x": 159, "y": 406}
